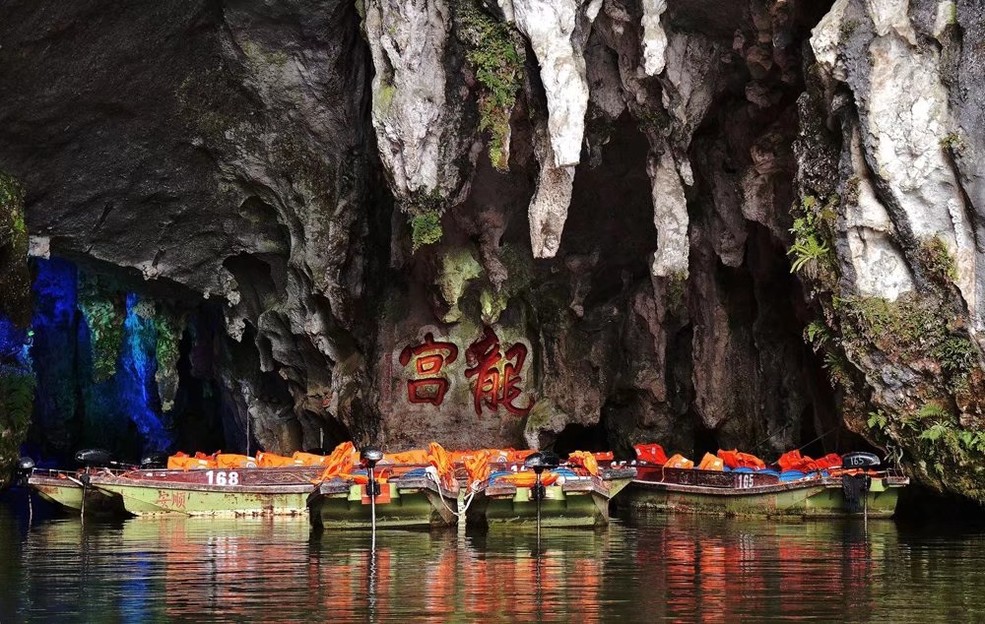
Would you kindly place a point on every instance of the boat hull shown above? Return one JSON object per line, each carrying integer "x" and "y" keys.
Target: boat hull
{"x": 408, "y": 503}
{"x": 576, "y": 503}
{"x": 68, "y": 492}
{"x": 816, "y": 498}
{"x": 149, "y": 498}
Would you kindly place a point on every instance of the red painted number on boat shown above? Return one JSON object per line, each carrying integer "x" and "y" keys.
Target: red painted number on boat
{"x": 222, "y": 478}
{"x": 744, "y": 481}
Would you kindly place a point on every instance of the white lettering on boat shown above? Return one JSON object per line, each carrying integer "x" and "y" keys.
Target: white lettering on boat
{"x": 744, "y": 481}
{"x": 222, "y": 478}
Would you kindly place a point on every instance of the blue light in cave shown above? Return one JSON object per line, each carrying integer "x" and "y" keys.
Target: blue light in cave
{"x": 55, "y": 293}
{"x": 137, "y": 387}
{"x": 14, "y": 345}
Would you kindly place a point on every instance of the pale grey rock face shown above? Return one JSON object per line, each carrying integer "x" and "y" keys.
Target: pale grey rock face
{"x": 905, "y": 115}
{"x": 557, "y": 32}
{"x": 420, "y": 125}
{"x": 654, "y": 37}
{"x": 880, "y": 267}
{"x": 554, "y": 29}
{"x": 669, "y": 217}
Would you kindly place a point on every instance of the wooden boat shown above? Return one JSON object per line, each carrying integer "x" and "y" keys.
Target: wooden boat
{"x": 572, "y": 500}
{"x": 70, "y": 490}
{"x": 415, "y": 498}
{"x": 212, "y": 492}
{"x": 846, "y": 492}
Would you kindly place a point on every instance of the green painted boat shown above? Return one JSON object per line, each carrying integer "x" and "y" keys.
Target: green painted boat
{"x": 750, "y": 494}
{"x": 66, "y": 488}
{"x": 406, "y": 502}
{"x": 575, "y": 502}
{"x": 243, "y": 492}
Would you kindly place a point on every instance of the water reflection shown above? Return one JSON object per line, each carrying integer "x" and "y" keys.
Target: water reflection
{"x": 650, "y": 568}
{"x": 711, "y": 569}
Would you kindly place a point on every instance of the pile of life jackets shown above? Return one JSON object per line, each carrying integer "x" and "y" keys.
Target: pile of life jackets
{"x": 792, "y": 461}
{"x": 344, "y": 460}
{"x": 226, "y": 461}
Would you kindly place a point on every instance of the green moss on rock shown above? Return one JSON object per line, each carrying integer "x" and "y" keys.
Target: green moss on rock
{"x": 168, "y": 328}
{"x": 15, "y": 278}
{"x": 425, "y": 229}
{"x": 493, "y": 53}
{"x": 104, "y": 315}
{"x": 16, "y": 406}
{"x": 458, "y": 268}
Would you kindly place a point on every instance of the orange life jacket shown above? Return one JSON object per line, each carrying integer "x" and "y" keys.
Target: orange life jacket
{"x": 651, "y": 453}
{"x": 711, "y": 462}
{"x": 679, "y": 461}
{"x": 229, "y": 461}
{"x": 584, "y": 460}
{"x": 527, "y": 478}
{"x": 737, "y": 459}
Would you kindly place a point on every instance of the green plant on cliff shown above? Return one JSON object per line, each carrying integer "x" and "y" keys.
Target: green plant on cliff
{"x": 493, "y": 54}
{"x": 15, "y": 278}
{"x": 934, "y": 255}
{"x": 16, "y": 405}
{"x": 810, "y": 250}
{"x": 168, "y": 328}
{"x": 952, "y": 142}
{"x": 104, "y": 318}
{"x": 425, "y": 229}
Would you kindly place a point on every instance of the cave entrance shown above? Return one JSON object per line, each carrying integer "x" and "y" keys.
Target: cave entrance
{"x": 576, "y": 437}
{"x": 705, "y": 441}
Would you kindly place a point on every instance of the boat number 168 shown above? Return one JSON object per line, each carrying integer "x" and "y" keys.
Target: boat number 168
{"x": 222, "y": 478}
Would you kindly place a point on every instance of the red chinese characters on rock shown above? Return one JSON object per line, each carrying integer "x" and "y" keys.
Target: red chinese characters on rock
{"x": 497, "y": 376}
{"x": 429, "y": 358}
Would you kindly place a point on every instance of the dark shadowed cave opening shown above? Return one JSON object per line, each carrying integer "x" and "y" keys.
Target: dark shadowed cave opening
{"x": 577, "y": 437}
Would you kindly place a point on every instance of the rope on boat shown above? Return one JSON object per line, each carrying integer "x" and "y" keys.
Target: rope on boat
{"x": 473, "y": 490}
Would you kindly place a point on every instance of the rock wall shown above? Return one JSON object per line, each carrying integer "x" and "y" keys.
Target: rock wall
{"x": 571, "y": 223}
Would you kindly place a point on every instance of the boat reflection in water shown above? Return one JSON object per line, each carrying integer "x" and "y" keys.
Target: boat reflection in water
{"x": 718, "y": 569}
{"x": 645, "y": 568}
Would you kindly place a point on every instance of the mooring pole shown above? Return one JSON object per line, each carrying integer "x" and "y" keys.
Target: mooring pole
{"x": 370, "y": 456}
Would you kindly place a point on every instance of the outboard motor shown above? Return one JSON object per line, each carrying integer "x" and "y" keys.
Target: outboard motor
{"x": 860, "y": 460}
{"x": 25, "y": 466}
{"x": 539, "y": 462}
{"x": 154, "y": 460}
{"x": 94, "y": 458}
{"x": 856, "y": 487}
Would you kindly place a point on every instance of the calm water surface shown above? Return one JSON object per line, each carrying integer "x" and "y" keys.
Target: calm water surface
{"x": 642, "y": 569}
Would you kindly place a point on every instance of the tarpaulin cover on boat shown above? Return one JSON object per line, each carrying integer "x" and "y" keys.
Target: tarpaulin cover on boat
{"x": 651, "y": 453}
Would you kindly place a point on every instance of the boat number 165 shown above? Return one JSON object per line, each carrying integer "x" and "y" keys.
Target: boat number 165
{"x": 745, "y": 481}
{"x": 222, "y": 478}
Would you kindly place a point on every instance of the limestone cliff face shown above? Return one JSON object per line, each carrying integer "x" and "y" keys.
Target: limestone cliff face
{"x": 575, "y": 222}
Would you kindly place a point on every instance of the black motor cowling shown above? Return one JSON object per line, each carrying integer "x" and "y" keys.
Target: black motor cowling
{"x": 541, "y": 461}
{"x": 94, "y": 457}
{"x": 25, "y": 466}
{"x": 154, "y": 460}
{"x": 860, "y": 460}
